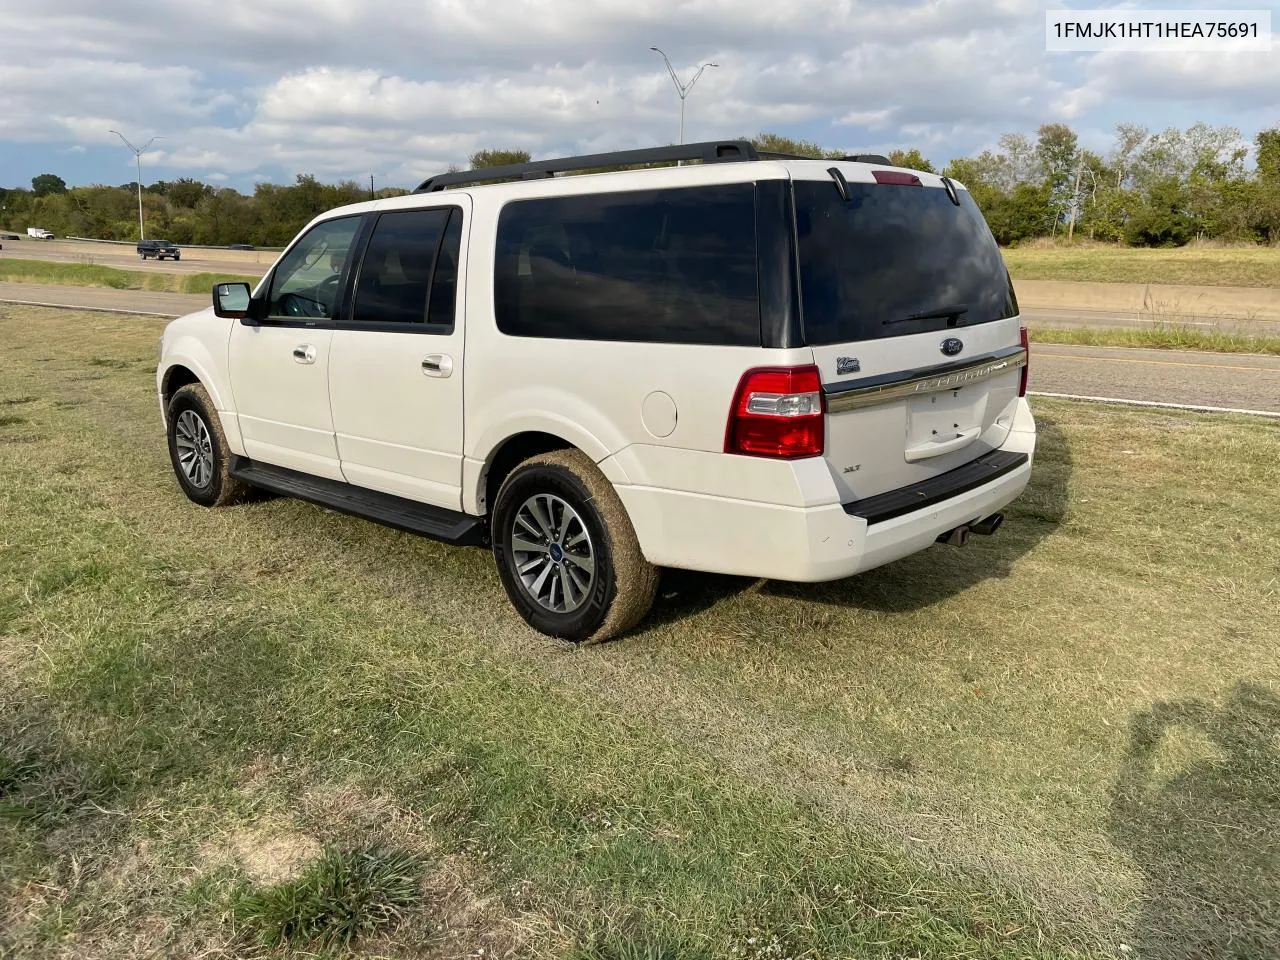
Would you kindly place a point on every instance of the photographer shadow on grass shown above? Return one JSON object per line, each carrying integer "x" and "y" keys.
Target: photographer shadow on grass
{"x": 1196, "y": 805}
{"x": 919, "y": 580}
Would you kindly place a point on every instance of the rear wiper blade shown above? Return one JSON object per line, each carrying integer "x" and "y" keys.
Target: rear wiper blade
{"x": 947, "y": 312}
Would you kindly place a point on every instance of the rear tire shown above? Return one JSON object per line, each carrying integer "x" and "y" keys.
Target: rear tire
{"x": 198, "y": 449}
{"x": 566, "y": 552}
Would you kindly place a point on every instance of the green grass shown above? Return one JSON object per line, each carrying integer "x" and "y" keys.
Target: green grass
{"x": 1197, "y": 265}
{"x": 1161, "y": 336}
{"x": 1056, "y": 741}
{"x": 93, "y": 275}
{"x": 343, "y": 896}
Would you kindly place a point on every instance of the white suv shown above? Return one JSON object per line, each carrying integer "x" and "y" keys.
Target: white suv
{"x": 756, "y": 365}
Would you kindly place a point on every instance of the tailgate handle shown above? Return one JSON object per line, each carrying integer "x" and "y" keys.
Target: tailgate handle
{"x": 936, "y": 448}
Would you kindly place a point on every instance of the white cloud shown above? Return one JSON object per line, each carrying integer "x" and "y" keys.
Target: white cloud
{"x": 404, "y": 87}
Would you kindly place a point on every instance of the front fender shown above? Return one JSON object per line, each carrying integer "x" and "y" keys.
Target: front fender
{"x": 198, "y": 343}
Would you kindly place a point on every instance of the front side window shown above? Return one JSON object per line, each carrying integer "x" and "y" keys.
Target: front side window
{"x": 305, "y": 284}
{"x": 671, "y": 265}
{"x": 409, "y": 271}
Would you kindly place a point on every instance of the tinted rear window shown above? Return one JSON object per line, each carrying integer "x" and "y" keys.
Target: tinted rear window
{"x": 893, "y": 252}
{"x": 675, "y": 266}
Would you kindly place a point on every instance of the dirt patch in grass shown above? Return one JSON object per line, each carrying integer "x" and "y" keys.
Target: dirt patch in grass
{"x": 269, "y": 855}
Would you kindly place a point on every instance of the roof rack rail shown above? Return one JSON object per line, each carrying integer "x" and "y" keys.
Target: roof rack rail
{"x": 867, "y": 158}
{"x": 711, "y": 151}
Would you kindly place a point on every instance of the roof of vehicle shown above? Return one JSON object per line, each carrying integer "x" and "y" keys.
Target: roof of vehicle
{"x": 539, "y": 179}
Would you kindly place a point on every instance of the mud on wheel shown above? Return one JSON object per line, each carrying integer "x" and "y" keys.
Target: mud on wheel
{"x": 198, "y": 449}
{"x": 566, "y": 551}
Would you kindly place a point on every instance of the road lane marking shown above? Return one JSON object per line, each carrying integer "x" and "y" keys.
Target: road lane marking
{"x": 1120, "y": 401}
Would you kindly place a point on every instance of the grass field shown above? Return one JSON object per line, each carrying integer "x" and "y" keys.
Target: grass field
{"x": 1161, "y": 336}
{"x": 272, "y": 724}
{"x": 93, "y": 275}
{"x": 1211, "y": 266}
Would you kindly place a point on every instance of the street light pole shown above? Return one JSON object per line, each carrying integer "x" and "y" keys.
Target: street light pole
{"x": 137, "y": 155}
{"x": 682, "y": 88}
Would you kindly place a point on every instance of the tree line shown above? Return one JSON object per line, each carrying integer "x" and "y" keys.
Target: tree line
{"x": 1148, "y": 189}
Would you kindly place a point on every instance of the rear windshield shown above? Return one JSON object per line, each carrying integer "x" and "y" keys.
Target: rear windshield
{"x": 894, "y": 260}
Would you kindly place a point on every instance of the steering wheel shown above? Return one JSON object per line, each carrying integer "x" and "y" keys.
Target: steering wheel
{"x": 318, "y": 307}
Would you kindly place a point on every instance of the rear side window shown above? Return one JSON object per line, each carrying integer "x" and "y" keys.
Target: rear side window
{"x": 409, "y": 273}
{"x": 894, "y": 260}
{"x": 675, "y": 266}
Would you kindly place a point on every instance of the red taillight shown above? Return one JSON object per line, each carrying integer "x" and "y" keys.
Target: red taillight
{"x": 1026, "y": 367}
{"x": 777, "y": 412}
{"x": 897, "y": 177}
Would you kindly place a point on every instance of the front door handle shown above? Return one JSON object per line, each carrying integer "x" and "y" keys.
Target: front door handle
{"x": 437, "y": 365}
{"x": 304, "y": 353}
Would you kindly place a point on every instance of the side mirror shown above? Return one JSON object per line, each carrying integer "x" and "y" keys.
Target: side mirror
{"x": 231, "y": 300}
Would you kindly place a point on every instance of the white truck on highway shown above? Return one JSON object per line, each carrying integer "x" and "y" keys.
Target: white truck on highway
{"x": 39, "y": 233}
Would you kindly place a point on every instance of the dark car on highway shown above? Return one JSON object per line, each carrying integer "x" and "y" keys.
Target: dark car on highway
{"x": 240, "y": 246}
{"x": 9, "y": 236}
{"x": 160, "y": 249}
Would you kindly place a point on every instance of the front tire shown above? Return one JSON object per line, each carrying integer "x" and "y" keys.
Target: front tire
{"x": 198, "y": 449}
{"x": 566, "y": 552}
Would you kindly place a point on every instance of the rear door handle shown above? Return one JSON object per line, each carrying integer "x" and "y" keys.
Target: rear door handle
{"x": 304, "y": 353}
{"x": 437, "y": 365}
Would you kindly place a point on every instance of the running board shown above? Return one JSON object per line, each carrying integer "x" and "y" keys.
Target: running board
{"x": 391, "y": 511}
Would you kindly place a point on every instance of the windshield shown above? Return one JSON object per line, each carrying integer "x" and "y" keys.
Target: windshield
{"x": 895, "y": 260}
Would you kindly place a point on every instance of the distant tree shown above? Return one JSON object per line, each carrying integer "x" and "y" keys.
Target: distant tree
{"x": 978, "y": 175}
{"x": 1267, "y": 143}
{"x": 1056, "y": 153}
{"x": 1266, "y": 214}
{"x": 776, "y": 143}
{"x": 48, "y": 184}
{"x": 912, "y": 159}
{"x": 1129, "y": 139}
{"x": 1058, "y": 160}
{"x": 1024, "y": 213}
{"x": 498, "y": 158}
{"x": 1162, "y": 220}
{"x": 187, "y": 193}
{"x": 1016, "y": 162}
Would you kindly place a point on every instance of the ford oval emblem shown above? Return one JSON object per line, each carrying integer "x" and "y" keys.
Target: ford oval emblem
{"x": 952, "y": 345}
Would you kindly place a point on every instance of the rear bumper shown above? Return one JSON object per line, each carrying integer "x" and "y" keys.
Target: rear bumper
{"x": 827, "y": 542}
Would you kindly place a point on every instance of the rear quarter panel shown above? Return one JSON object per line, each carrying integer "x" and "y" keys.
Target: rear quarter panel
{"x": 592, "y": 393}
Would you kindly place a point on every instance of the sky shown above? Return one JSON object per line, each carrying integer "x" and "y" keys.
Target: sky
{"x": 250, "y": 90}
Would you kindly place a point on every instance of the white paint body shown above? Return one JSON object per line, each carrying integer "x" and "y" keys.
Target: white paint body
{"x": 651, "y": 415}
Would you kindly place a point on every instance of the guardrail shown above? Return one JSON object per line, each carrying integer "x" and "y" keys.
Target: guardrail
{"x": 184, "y": 246}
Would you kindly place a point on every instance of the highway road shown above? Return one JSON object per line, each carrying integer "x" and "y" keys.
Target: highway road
{"x": 124, "y": 256}
{"x": 1235, "y": 381}
{"x": 103, "y": 298}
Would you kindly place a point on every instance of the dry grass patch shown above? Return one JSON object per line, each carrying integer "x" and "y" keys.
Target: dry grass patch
{"x": 1254, "y": 266}
{"x": 1167, "y": 335}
